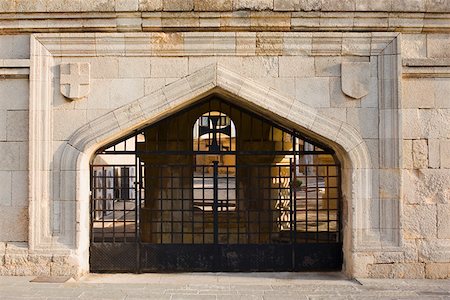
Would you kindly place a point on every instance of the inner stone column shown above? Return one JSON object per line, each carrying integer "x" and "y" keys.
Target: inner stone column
{"x": 168, "y": 181}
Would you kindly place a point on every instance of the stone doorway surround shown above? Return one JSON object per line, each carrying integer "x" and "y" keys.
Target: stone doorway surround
{"x": 59, "y": 178}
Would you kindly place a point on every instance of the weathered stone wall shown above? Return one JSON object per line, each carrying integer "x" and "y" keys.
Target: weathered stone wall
{"x": 13, "y": 142}
{"x": 402, "y": 228}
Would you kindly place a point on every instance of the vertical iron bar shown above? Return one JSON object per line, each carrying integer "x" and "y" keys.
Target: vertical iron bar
{"x": 216, "y": 199}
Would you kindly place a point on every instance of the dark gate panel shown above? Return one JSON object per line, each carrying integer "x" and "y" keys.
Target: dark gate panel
{"x": 215, "y": 188}
{"x": 113, "y": 257}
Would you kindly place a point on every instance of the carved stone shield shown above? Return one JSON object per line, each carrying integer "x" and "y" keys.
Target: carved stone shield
{"x": 74, "y": 80}
{"x": 355, "y": 79}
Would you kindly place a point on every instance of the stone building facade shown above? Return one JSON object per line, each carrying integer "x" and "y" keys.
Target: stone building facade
{"x": 370, "y": 79}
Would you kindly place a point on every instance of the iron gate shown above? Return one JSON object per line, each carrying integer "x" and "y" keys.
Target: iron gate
{"x": 215, "y": 187}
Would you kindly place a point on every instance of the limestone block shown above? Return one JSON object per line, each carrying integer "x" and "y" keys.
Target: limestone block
{"x": 63, "y": 5}
{"x": 434, "y": 123}
{"x": 381, "y": 271}
{"x": 162, "y": 42}
{"x": 99, "y": 97}
{"x": 153, "y": 84}
{"x": 19, "y": 190}
{"x": 324, "y": 43}
{"x": 336, "y": 113}
{"x": 253, "y": 4}
{"x": 7, "y": 6}
{"x": 338, "y": 98}
{"x": 420, "y": 154}
{"x": 97, "y": 5}
{"x": 419, "y": 221}
{"x": 356, "y": 44}
{"x": 14, "y": 223}
{"x": 410, "y": 250}
{"x": 411, "y": 270}
{"x": 285, "y": 5}
{"x": 389, "y": 211}
{"x": 355, "y": 79}
{"x": 371, "y": 100}
{"x": 23, "y": 156}
{"x": 432, "y": 186}
{"x": 437, "y": 270}
{"x": 443, "y": 221}
{"x": 178, "y": 5}
{"x": 433, "y": 153}
{"x": 64, "y": 129}
{"x": 285, "y": 86}
{"x": 409, "y": 5}
{"x": 259, "y": 66}
{"x": 17, "y": 248}
{"x": 10, "y": 156}
{"x": 268, "y": 43}
{"x": 360, "y": 263}
{"x": 313, "y": 91}
{"x": 388, "y": 257}
{"x": 414, "y": 45}
{"x": 3, "y": 125}
{"x": 407, "y": 154}
{"x": 150, "y": 5}
{"x": 16, "y": 89}
{"x": 444, "y": 154}
{"x": 246, "y": 43}
{"x": 441, "y": 91}
{"x": 213, "y": 5}
{"x": 17, "y": 125}
{"x": 369, "y": 5}
{"x": 169, "y": 67}
{"x": 132, "y": 67}
{"x": 104, "y": 67}
{"x": 270, "y": 21}
{"x": 434, "y": 250}
{"x": 438, "y": 45}
{"x": 411, "y": 128}
{"x": 296, "y": 66}
{"x": 309, "y": 5}
{"x": 389, "y": 183}
{"x": 297, "y": 44}
{"x": 123, "y": 91}
{"x": 14, "y": 46}
{"x": 418, "y": 93}
{"x": 332, "y": 5}
{"x": 327, "y": 66}
{"x": 365, "y": 120}
{"x": 5, "y": 188}
{"x": 126, "y": 5}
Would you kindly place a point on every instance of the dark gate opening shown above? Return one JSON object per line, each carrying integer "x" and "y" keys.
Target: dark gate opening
{"x": 215, "y": 187}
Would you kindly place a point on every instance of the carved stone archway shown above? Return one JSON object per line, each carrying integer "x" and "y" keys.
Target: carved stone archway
{"x": 215, "y": 79}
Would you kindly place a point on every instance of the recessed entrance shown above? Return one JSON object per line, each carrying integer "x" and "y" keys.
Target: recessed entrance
{"x": 215, "y": 187}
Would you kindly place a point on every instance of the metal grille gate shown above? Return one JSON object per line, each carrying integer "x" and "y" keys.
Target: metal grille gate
{"x": 215, "y": 187}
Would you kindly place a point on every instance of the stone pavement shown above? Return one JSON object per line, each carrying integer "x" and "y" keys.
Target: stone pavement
{"x": 227, "y": 286}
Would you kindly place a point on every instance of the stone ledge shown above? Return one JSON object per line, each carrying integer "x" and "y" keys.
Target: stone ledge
{"x": 223, "y": 44}
{"x": 223, "y": 21}
{"x": 251, "y": 5}
{"x": 426, "y": 62}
